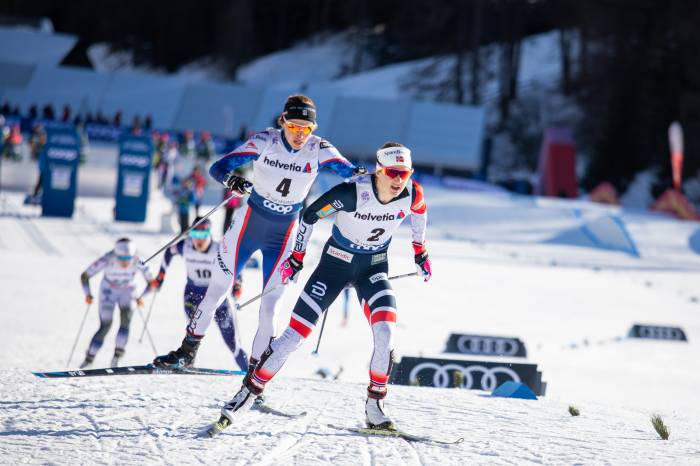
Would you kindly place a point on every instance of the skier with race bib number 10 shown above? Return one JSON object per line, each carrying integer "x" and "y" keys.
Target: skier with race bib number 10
{"x": 369, "y": 210}
{"x": 285, "y": 165}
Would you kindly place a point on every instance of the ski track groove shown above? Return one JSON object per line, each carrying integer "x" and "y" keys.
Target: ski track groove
{"x": 287, "y": 449}
{"x": 38, "y": 237}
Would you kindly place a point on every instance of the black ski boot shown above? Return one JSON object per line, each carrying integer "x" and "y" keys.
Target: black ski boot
{"x": 89, "y": 358}
{"x": 252, "y": 364}
{"x": 182, "y": 357}
{"x": 118, "y": 353}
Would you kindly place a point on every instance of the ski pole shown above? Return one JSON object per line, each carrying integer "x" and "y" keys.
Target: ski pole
{"x": 184, "y": 233}
{"x": 150, "y": 338}
{"x": 148, "y": 316}
{"x": 255, "y": 298}
{"x": 323, "y": 325}
{"x": 325, "y": 313}
{"x": 80, "y": 330}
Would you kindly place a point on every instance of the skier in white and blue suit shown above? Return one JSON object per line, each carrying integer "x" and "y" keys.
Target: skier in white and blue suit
{"x": 285, "y": 165}
{"x": 199, "y": 253}
{"x": 118, "y": 288}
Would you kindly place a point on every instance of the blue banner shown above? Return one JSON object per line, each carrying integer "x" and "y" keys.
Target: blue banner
{"x": 134, "y": 170}
{"x": 58, "y": 163}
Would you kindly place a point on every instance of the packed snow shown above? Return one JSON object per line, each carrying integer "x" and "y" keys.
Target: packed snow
{"x": 497, "y": 272}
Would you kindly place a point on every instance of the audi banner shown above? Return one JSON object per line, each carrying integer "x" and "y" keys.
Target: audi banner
{"x": 485, "y": 345}
{"x": 472, "y": 375}
{"x": 657, "y": 332}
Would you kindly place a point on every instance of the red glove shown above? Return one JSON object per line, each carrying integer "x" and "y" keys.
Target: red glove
{"x": 292, "y": 265}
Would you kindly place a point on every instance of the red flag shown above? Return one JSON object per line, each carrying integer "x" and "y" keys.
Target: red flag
{"x": 675, "y": 139}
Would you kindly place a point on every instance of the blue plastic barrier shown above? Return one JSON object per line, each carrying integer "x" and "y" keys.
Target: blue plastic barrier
{"x": 59, "y": 168}
{"x": 134, "y": 170}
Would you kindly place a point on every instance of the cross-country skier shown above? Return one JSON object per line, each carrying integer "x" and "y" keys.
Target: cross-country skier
{"x": 369, "y": 210}
{"x": 199, "y": 252}
{"x": 118, "y": 287}
{"x": 285, "y": 165}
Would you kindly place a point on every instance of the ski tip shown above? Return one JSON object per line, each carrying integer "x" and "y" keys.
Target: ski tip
{"x": 459, "y": 440}
{"x": 41, "y": 375}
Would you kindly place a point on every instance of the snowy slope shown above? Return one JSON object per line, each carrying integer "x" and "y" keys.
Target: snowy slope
{"x": 496, "y": 272}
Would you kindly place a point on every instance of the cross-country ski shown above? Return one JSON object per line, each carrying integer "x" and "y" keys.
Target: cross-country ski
{"x": 135, "y": 370}
{"x": 395, "y": 433}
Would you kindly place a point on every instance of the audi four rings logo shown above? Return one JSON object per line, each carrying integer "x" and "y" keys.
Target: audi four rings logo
{"x": 486, "y": 376}
{"x": 283, "y": 209}
{"x": 487, "y": 345}
{"x": 657, "y": 332}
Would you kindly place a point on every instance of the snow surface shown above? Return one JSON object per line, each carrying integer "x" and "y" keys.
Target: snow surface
{"x": 496, "y": 273}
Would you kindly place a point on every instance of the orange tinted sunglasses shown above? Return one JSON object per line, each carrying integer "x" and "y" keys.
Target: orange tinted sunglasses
{"x": 293, "y": 127}
{"x": 394, "y": 172}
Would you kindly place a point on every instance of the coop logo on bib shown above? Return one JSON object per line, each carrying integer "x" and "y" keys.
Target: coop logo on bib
{"x": 282, "y": 209}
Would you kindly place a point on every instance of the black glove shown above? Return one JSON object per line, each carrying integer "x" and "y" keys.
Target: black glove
{"x": 423, "y": 265}
{"x": 359, "y": 171}
{"x": 238, "y": 184}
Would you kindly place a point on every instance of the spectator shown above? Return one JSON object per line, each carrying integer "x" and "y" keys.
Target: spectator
{"x": 205, "y": 150}
{"x": 89, "y": 119}
{"x": 48, "y": 113}
{"x": 199, "y": 182}
{"x": 37, "y": 141}
{"x": 13, "y": 141}
{"x": 182, "y": 197}
{"x": 117, "y": 122}
{"x": 136, "y": 122}
{"x": 242, "y": 135}
{"x": 16, "y": 111}
{"x": 33, "y": 112}
{"x": 187, "y": 145}
{"x": 101, "y": 118}
{"x": 167, "y": 165}
{"x": 5, "y": 109}
{"x": 65, "y": 117}
{"x": 148, "y": 122}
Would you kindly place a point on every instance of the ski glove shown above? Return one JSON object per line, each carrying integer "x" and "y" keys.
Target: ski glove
{"x": 292, "y": 265}
{"x": 139, "y": 302}
{"x": 237, "y": 184}
{"x": 423, "y": 265}
{"x": 359, "y": 171}
{"x": 88, "y": 299}
{"x": 237, "y": 289}
{"x": 157, "y": 282}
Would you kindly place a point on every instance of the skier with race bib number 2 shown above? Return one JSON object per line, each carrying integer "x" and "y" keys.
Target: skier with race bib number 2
{"x": 285, "y": 165}
{"x": 369, "y": 210}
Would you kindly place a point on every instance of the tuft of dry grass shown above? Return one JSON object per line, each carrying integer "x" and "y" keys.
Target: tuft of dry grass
{"x": 573, "y": 410}
{"x": 660, "y": 426}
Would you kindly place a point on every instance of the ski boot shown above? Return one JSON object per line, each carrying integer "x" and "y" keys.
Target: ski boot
{"x": 374, "y": 410}
{"x": 240, "y": 403}
{"x": 182, "y": 357}
{"x": 89, "y": 358}
{"x": 260, "y": 399}
{"x": 118, "y": 353}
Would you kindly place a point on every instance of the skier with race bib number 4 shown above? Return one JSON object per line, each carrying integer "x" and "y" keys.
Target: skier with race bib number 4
{"x": 199, "y": 252}
{"x": 369, "y": 210}
{"x": 285, "y": 165}
{"x": 120, "y": 267}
